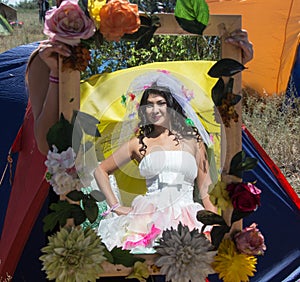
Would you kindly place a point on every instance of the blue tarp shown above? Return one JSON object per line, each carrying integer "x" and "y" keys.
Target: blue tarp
{"x": 278, "y": 217}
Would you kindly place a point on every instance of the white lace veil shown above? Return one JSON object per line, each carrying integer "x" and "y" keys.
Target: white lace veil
{"x": 164, "y": 79}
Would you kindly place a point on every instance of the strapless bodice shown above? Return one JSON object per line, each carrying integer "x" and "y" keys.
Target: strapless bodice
{"x": 163, "y": 169}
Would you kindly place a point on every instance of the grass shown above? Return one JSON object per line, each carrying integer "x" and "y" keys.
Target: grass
{"x": 274, "y": 124}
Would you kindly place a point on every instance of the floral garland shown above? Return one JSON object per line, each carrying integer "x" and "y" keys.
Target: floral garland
{"x": 76, "y": 253}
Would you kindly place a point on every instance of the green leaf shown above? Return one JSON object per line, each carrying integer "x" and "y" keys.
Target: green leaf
{"x": 124, "y": 257}
{"x": 88, "y": 123}
{"x": 210, "y": 218}
{"x": 217, "y": 234}
{"x": 98, "y": 195}
{"x": 240, "y": 163}
{"x": 60, "y": 134}
{"x": 61, "y": 212}
{"x": 237, "y": 215}
{"x": 78, "y": 214}
{"x": 218, "y": 92}
{"x": 108, "y": 255}
{"x": 90, "y": 208}
{"x": 75, "y": 195}
{"x": 225, "y": 67}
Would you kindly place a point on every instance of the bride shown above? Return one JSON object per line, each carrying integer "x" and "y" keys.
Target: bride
{"x": 171, "y": 150}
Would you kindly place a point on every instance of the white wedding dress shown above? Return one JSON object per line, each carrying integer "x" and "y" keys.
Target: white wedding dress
{"x": 170, "y": 179}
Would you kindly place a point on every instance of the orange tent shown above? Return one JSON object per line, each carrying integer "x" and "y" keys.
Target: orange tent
{"x": 274, "y": 29}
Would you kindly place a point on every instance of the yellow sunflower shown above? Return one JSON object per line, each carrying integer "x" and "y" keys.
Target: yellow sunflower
{"x": 231, "y": 265}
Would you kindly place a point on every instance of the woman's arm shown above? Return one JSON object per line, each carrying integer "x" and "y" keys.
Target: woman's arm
{"x": 203, "y": 177}
{"x": 119, "y": 158}
{"x": 43, "y": 94}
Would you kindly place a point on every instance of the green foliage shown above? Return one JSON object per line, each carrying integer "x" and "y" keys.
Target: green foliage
{"x": 162, "y": 48}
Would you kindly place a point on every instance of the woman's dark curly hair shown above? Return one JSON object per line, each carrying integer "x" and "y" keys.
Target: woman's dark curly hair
{"x": 179, "y": 127}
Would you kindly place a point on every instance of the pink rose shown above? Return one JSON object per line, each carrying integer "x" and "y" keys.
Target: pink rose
{"x": 245, "y": 197}
{"x": 250, "y": 241}
{"x": 68, "y": 23}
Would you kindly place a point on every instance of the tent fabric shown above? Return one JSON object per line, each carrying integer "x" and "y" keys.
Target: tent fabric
{"x": 274, "y": 28}
{"x": 277, "y": 217}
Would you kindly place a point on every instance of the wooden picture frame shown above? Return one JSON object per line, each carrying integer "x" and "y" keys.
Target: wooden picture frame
{"x": 231, "y": 137}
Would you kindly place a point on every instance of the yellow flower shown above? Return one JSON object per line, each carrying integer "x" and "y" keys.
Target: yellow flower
{"x": 219, "y": 196}
{"x": 140, "y": 272}
{"x": 231, "y": 265}
{"x": 94, "y": 7}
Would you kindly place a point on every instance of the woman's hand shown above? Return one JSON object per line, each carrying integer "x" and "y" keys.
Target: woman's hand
{"x": 49, "y": 51}
{"x": 240, "y": 39}
{"x": 122, "y": 210}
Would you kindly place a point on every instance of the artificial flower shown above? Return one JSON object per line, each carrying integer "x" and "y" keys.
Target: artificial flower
{"x": 231, "y": 265}
{"x": 73, "y": 254}
{"x": 250, "y": 241}
{"x": 184, "y": 255}
{"x": 140, "y": 272}
{"x": 68, "y": 23}
{"x": 63, "y": 174}
{"x": 94, "y": 7}
{"x": 117, "y": 18}
{"x": 219, "y": 196}
{"x": 245, "y": 197}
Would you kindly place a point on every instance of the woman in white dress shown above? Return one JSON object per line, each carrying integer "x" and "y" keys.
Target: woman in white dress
{"x": 171, "y": 149}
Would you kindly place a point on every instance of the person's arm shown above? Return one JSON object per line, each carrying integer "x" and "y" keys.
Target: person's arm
{"x": 240, "y": 39}
{"x": 119, "y": 158}
{"x": 203, "y": 177}
{"x": 43, "y": 93}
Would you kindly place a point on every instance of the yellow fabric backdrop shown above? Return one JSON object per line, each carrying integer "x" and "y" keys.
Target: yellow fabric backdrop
{"x": 101, "y": 97}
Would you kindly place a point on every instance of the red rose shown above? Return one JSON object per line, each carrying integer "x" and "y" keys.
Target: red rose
{"x": 118, "y": 17}
{"x": 245, "y": 197}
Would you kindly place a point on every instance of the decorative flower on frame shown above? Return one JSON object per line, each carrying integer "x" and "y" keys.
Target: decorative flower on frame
{"x": 250, "y": 241}
{"x": 62, "y": 173}
{"x": 73, "y": 254}
{"x": 231, "y": 265}
{"x": 94, "y": 7}
{"x": 219, "y": 196}
{"x": 140, "y": 272}
{"x": 68, "y": 23}
{"x": 184, "y": 255}
{"x": 119, "y": 17}
{"x": 245, "y": 197}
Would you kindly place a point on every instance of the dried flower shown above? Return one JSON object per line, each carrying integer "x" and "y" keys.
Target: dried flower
{"x": 73, "y": 254}
{"x": 231, "y": 265}
{"x": 250, "y": 241}
{"x": 245, "y": 197}
{"x": 140, "y": 272}
{"x": 117, "y": 18}
{"x": 184, "y": 255}
{"x": 219, "y": 196}
{"x": 68, "y": 23}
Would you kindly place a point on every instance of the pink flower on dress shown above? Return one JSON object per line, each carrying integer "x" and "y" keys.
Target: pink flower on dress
{"x": 68, "y": 23}
{"x": 250, "y": 241}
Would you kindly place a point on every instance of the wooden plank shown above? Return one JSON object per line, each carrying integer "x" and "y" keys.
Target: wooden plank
{"x": 111, "y": 270}
{"x": 169, "y": 25}
{"x": 69, "y": 90}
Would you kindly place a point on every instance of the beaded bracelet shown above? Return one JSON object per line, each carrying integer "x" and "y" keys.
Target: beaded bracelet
{"x": 111, "y": 209}
{"x": 53, "y": 79}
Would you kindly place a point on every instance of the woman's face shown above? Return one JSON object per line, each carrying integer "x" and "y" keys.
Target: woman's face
{"x": 156, "y": 110}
